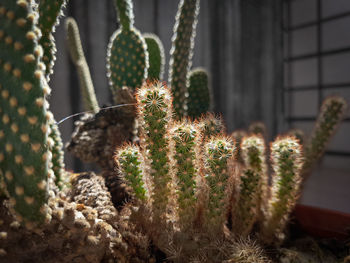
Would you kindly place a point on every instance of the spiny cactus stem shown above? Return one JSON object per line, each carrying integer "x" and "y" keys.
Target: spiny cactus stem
{"x": 219, "y": 151}
{"x": 154, "y": 107}
{"x": 129, "y": 160}
{"x": 186, "y": 143}
{"x": 286, "y": 157}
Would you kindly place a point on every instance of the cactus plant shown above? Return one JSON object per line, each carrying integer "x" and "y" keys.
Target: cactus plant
{"x": 78, "y": 58}
{"x": 49, "y": 14}
{"x": 156, "y": 56}
{"x": 331, "y": 113}
{"x": 25, "y": 155}
{"x": 198, "y": 101}
{"x": 286, "y": 157}
{"x": 253, "y": 187}
{"x": 127, "y": 56}
{"x": 181, "y": 52}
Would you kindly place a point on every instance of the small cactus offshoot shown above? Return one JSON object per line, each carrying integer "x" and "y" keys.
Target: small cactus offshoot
{"x": 156, "y": 56}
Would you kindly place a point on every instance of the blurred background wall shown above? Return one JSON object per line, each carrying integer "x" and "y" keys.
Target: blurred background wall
{"x": 259, "y": 53}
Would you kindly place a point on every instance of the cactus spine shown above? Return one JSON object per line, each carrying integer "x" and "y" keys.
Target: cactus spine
{"x": 156, "y": 56}
{"x": 332, "y": 112}
{"x": 211, "y": 125}
{"x": 24, "y": 155}
{"x": 49, "y": 11}
{"x": 181, "y": 52}
{"x": 127, "y": 56}
{"x": 198, "y": 101}
{"x": 286, "y": 158}
{"x": 218, "y": 152}
{"x": 155, "y": 111}
{"x": 253, "y": 184}
{"x": 78, "y": 58}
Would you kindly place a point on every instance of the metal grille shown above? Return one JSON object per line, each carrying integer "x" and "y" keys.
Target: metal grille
{"x": 312, "y": 45}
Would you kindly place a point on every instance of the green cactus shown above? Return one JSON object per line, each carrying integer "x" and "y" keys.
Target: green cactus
{"x": 49, "y": 11}
{"x": 286, "y": 157}
{"x": 186, "y": 141}
{"x": 24, "y": 155}
{"x": 78, "y": 58}
{"x": 331, "y": 114}
{"x": 129, "y": 160}
{"x": 254, "y": 183}
{"x": 155, "y": 111}
{"x": 181, "y": 52}
{"x": 198, "y": 101}
{"x": 218, "y": 152}
{"x": 127, "y": 56}
{"x": 156, "y": 56}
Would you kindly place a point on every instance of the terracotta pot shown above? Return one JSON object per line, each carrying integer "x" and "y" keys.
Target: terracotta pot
{"x": 323, "y": 223}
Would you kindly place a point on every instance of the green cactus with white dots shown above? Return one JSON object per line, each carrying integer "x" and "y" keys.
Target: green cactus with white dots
{"x": 127, "y": 56}
{"x": 24, "y": 156}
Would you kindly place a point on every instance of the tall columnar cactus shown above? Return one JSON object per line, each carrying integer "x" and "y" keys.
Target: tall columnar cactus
{"x": 286, "y": 158}
{"x": 332, "y": 112}
{"x": 156, "y": 56}
{"x": 49, "y": 11}
{"x": 198, "y": 101}
{"x": 181, "y": 52}
{"x": 78, "y": 58}
{"x": 155, "y": 111}
{"x": 130, "y": 163}
{"x": 186, "y": 139}
{"x": 253, "y": 185}
{"x": 24, "y": 126}
{"x": 127, "y": 56}
{"x": 218, "y": 152}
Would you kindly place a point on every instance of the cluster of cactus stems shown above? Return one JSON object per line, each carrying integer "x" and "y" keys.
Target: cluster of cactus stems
{"x": 184, "y": 176}
{"x": 183, "y": 172}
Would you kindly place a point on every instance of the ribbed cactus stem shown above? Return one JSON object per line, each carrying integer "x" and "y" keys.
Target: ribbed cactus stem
{"x": 24, "y": 122}
{"x": 286, "y": 158}
{"x": 218, "y": 152}
{"x": 126, "y": 14}
{"x": 253, "y": 185}
{"x": 198, "y": 101}
{"x": 155, "y": 111}
{"x": 129, "y": 160}
{"x": 78, "y": 58}
{"x": 156, "y": 56}
{"x": 211, "y": 125}
{"x": 186, "y": 145}
{"x": 181, "y": 52}
{"x": 332, "y": 112}
{"x": 50, "y": 12}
